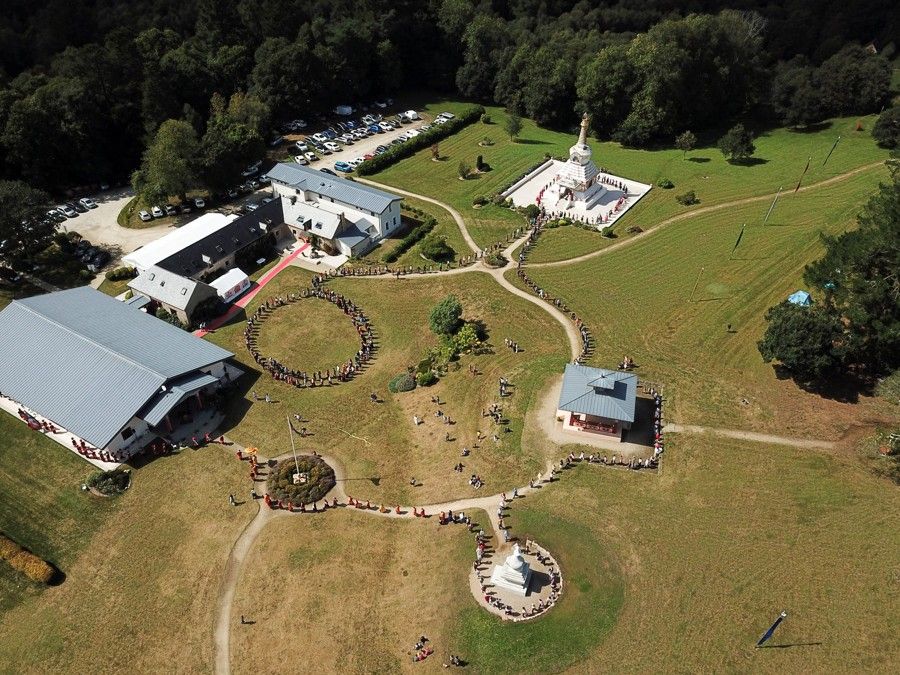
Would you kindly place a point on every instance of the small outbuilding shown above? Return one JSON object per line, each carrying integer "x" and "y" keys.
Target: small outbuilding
{"x": 231, "y": 285}
{"x": 596, "y": 400}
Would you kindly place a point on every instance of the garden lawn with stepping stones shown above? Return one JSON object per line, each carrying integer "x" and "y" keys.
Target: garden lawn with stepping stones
{"x": 379, "y": 440}
{"x": 309, "y": 334}
{"x": 636, "y": 303}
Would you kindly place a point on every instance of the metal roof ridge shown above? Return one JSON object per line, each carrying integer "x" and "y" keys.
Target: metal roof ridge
{"x": 84, "y": 338}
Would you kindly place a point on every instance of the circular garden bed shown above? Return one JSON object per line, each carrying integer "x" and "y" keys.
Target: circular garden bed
{"x": 316, "y": 479}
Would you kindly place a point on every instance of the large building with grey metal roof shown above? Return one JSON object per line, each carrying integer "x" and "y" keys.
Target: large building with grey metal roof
{"x": 103, "y": 371}
{"x": 597, "y": 400}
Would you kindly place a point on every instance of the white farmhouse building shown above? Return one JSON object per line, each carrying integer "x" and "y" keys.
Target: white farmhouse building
{"x": 345, "y": 216}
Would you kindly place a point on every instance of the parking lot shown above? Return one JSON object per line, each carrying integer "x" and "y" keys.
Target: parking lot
{"x": 359, "y": 148}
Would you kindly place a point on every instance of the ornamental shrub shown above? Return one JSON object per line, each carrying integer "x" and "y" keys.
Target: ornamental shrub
{"x": 445, "y": 316}
{"x": 110, "y": 483}
{"x": 121, "y": 273}
{"x": 480, "y": 200}
{"x": 665, "y": 184}
{"x": 426, "y": 379}
{"x": 424, "y": 140}
{"x": 495, "y": 260}
{"x": 687, "y": 198}
{"x": 437, "y": 249}
{"x": 410, "y": 240}
{"x": 402, "y": 382}
{"x": 485, "y": 118}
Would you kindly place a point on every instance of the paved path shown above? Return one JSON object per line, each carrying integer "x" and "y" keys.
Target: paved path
{"x": 699, "y": 212}
{"x": 748, "y": 436}
{"x": 453, "y": 212}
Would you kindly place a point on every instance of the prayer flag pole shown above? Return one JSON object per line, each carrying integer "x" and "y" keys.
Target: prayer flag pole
{"x": 695, "y": 285}
{"x": 766, "y": 219}
{"x": 738, "y": 242}
{"x": 803, "y": 174}
{"x": 768, "y": 634}
{"x": 832, "y": 150}
{"x": 293, "y": 449}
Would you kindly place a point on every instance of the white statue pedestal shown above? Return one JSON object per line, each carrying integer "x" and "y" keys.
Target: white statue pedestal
{"x": 514, "y": 574}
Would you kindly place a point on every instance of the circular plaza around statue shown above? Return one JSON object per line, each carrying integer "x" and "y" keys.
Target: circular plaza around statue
{"x": 516, "y": 584}
{"x": 299, "y": 481}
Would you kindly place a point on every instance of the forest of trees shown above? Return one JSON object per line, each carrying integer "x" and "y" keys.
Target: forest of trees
{"x": 86, "y": 85}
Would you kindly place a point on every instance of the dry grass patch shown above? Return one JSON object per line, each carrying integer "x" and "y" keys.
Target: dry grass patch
{"x": 141, "y": 596}
{"x": 355, "y": 590}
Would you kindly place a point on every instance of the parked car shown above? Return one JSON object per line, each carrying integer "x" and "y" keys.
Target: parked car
{"x": 334, "y": 147}
{"x": 446, "y": 116}
{"x": 157, "y": 212}
{"x": 381, "y": 104}
{"x": 344, "y": 110}
{"x": 369, "y": 155}
{"x": 343, "y": 167}
{"x": 266, "y": 200}
{"x": 356, "y": 161}
{"x": 199, "y": 203}
{"x": 56, "y": 216}
{"x": 440, "y": 120}
{"x": 301, "y": 146}
{"x": 98, "y": 261}
{"x": 375, "y": 129}
{"x": 300, "y": 159}
{"x": 233, "y": 193}
{"x": 264, "y": 180}
{"x": 425, "y": 127}
{"x": 328, "y": 171}
{"x": 397, "y": 141}
{"x": 381, "y": 149}
{"x": 171, "y": 210}
{"x": 276, "y": 141}
{"x": 145, "y": 215}
{"x": 78, "y": 206}
{"x": 185, "y": 207}
{"x": 251, "y": 206}
{"x": 411, "y": 115}
{"x": 310, "y": 156}
{"x": 67, "y": 211}
{"x": 320, "y": 136}
{"x": 252, "y": 170}
{"x": 254, "y": 184}
{"x": 88, "y": 203}
{"x": 386, "y": 126}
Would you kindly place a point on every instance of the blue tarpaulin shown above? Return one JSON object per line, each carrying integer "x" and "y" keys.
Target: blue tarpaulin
{"x": 801, "y": 298}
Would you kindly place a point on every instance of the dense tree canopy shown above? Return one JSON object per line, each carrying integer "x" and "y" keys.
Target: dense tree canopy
{"x": 857, "y": 324}
{"x": 23, "y": 226}
{"x": 99, "y": 77}
{"x": 446, "y": 315}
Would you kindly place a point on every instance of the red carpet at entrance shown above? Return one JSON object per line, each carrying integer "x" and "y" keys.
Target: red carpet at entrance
{"x": 245, "y": 299}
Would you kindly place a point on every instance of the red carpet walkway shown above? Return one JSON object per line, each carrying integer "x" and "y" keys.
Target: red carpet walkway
{"x": 249, "y": 295}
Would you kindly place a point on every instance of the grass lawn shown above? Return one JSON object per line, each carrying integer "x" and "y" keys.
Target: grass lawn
{"x": 779, "y": 160}
{"x": 311, "y": 334}
{"x": 113, "y": 288}
{"x": 41, "y": 505}
{"x": 380, "y": 440}
{"x": 636, "y": 303}
{"x": 140, "y": 591}
{"x": 446, "y": 227}
{"x": 359, "y": 589}
{"x": 562, "y": 243}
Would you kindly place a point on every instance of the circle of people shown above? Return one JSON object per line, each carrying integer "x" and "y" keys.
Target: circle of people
{"x": 301, "y": 378}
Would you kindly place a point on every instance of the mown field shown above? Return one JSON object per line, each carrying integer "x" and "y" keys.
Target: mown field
{"x": 780, "y": 158}
{"x": 669, "y": 558}
{"x": 636, "y": 301}
{"x": 142, "y": 570}
{"x": 379, "y": 440}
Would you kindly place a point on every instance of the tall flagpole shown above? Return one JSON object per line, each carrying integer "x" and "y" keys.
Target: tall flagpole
{"x": 830, "y": 151}
{"x": 738, "y": 242}
{"x": 293, "y": 449}
{"x": 695, "y": 285}
{"x": 769, "y": 213}
{"x": 768, "y": 634}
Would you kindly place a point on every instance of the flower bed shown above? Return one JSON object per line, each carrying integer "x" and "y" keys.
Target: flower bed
{"x": 317, "y": 479}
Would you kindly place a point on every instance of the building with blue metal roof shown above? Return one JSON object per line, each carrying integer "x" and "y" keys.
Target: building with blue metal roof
{"x": 597, "y": 400}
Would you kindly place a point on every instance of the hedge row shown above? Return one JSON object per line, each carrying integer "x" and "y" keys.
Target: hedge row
{"x": 27, "y": 563}
{"x": 121, "y": 273}
{"x": 425, "y": 139}
{"x": 410, "y": 240}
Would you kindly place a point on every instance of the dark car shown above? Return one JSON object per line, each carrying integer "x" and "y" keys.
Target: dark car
{"x": 96, "y": 263}
{"x": 328, "y": 171}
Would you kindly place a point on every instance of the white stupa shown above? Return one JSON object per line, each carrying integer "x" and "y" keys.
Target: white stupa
{"x": 514, "y": 574}
{"x": 577, "y": 179}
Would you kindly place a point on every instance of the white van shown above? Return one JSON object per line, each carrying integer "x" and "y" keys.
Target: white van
{"x": 410, "y": 115}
